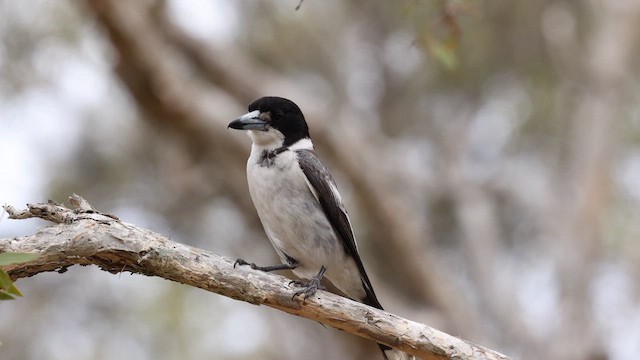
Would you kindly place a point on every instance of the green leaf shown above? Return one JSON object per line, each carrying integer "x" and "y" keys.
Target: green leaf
{"x": 16, "y": 258}
{"x": 5, "y": 281}
{"x": 8, "y": 291}
{"x": 5, "y": 296}
{"x": 13, "y": 290}
{"x": 445, "y": 53}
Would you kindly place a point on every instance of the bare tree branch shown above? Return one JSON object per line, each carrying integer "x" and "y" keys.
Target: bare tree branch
{"x": 86, "y": 237}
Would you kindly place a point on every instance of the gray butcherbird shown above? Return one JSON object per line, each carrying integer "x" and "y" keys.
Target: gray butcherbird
{"x": 299, "y": 205}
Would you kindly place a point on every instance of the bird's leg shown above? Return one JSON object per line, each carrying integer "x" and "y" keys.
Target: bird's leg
{"x": 310, "y": 286}
{"x": 268, "y": 268}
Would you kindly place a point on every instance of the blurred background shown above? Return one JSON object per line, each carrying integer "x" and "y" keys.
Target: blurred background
{"x": 488, "y": 153}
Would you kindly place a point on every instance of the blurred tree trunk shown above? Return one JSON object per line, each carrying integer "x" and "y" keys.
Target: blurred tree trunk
{"x": 582, "y": 181}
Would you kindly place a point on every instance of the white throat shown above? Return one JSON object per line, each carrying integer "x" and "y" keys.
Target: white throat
{"x": 273, "y": 139}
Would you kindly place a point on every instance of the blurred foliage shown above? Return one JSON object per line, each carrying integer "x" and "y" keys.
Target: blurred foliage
{"x": 438, "y": 28}
{"x": 8, "y": 290}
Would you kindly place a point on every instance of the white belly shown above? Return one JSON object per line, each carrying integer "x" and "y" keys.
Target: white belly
{"x": 296, "y": 225}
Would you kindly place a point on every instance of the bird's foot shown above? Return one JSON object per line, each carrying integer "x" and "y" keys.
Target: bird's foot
{"x": 268, "y": 268}
{"x": 310, "y": 286}
{"x": 242, "y": 262}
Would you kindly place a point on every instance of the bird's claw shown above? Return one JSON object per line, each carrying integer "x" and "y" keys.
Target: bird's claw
{"x": 242, "y": 262}
{"x": 309, "y": 287}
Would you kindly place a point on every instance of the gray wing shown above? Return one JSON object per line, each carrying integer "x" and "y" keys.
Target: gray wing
{"x": 324, "y": 189}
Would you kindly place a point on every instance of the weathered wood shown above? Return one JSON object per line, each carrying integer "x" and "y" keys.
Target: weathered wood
{"x": 86, "y": 237}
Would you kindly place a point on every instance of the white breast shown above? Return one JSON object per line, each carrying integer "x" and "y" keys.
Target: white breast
{"x": 295, "y": 223}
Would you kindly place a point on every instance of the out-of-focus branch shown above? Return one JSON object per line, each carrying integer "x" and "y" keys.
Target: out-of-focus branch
{"x": 583, "y": 177}
{"x": 218, "y": 70}
{"x": 156, "y": 76}
{"x": 406, "y": 239}
{"x": 86, "y": 237}
{"x": 476, "y": 214}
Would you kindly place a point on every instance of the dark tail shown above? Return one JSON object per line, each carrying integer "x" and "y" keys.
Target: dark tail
{"x": 372, "y": 301}
{"x": 384, "y": 349}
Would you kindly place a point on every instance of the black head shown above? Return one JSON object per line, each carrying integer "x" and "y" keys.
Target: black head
{"x": 277, "y": 113}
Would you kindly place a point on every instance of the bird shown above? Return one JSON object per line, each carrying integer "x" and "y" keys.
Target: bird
{"x": 299, "y": 205}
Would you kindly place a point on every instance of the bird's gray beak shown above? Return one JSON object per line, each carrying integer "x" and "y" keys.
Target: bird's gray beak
{"x": 249, "y": 121}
